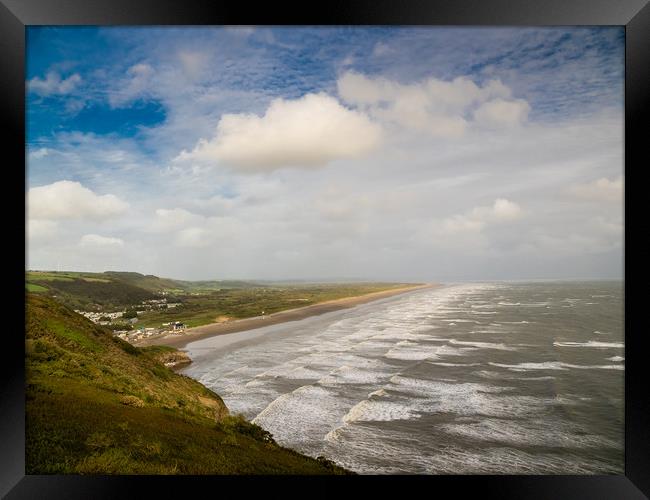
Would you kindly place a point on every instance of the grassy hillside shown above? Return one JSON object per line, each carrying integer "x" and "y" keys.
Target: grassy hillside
{"x": 84, "y": 290}
{"x": 147, "y": 281}
{"x": 96, "y": 404}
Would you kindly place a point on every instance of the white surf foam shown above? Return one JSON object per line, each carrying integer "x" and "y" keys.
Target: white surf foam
{"x": 379, "y": 411}
{"x": 303, "y": 417}
{"x": 553, "y": 365}
{"x": 351, "y": 375}
{"x": 454, "y": 364}
{"x": 590, "y": 343}
{"x": 484, "y": 345}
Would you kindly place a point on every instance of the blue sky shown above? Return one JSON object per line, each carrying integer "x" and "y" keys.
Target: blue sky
{"x": 232, "y": 132}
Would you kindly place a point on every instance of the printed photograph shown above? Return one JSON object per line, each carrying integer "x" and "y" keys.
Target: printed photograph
{"x": 324, "y": 250}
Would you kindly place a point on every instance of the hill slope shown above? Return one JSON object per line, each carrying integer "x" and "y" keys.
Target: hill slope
{"x": 116, "y": 289}
{"x": 83, "y": 290}
{"x": 96, "y": 404}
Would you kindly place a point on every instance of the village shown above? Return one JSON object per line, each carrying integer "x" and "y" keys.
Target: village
{"x": 129, "y": 318}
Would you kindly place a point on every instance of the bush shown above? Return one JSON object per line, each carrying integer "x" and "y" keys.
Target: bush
{"x": 329, "y": 464}
{"x": 132, "y": 401}
{"x": 238, "y": 424}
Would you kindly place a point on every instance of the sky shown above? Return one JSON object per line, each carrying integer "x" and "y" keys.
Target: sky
{"x": 326, "y": 153}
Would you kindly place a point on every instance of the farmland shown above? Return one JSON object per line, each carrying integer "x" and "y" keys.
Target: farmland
{"x": 195, "y": 303}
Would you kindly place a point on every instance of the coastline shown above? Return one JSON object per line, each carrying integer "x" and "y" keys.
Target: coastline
{"x": 240, "y": 325}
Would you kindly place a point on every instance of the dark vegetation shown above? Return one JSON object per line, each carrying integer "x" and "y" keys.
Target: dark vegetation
{"x": 98, "y": 405}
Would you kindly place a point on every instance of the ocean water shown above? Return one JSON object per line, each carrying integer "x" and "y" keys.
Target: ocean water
{"x": 486, "y": 378}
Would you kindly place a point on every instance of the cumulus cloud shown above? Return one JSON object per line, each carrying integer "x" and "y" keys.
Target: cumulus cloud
{"x": 307, "y": 132}
{"x": 39, "y": 230}
{"x": 600, "y": 190}
{"x": 53, "y": 84}
{"x": 71, "y": 200}
{"x": 97, "y": 241}
{"x": 441, "y": 108}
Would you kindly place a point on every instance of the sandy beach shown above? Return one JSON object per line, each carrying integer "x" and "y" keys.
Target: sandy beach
{"x": 205, "y": 331}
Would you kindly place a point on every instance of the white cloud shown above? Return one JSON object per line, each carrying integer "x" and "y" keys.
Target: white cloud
{"x": 53, "y": 84}
{"x": 481, "y": 232}
{"x": 39, "y": 154}
{"x": 194, "y": 237}
{"x": 192, "y": 63}
{"x": 476, "y": 219}
{"x": 242, "y": 31}
{"x": 97, "y": 241}
{"x": 71, "y": 200}
{"x": 307, "y": 132}
{"x": 502, "y": 112}
{"x": 175, "y": 218}
{"x": 607, "y": 227}
{"x": 440, "y": 108}
{"x": 502, "y": 209}
{"x": 381, "y": 49}
{"x": 134, "y": 85}
{"x": 600, "y": 190}
{"x": 348, "y": 60}
{"x": 38, "y": 230}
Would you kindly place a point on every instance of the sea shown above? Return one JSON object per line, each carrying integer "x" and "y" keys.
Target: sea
{"x": 465, "y": 378}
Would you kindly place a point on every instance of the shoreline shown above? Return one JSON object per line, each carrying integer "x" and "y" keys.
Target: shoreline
{"x": 240, "y": 325}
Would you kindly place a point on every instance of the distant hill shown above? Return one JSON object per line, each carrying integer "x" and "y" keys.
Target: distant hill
{"x": 83, "y": 290}
{"x": 97, "y": 405}
{"x": 117, "y": 288}
{"x": 146, "y": 281}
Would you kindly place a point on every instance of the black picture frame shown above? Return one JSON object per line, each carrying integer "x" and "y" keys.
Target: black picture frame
{"x": 15, "y": 15}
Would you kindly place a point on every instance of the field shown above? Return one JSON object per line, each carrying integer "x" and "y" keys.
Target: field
{"x": 214, "y": 306}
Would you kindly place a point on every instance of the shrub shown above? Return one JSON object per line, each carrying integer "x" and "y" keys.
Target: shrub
{"x": 240, "y": 425}
{"x": 132, "y": 401}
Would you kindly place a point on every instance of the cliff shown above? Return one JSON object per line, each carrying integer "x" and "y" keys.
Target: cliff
{"x": 96, "y": 404}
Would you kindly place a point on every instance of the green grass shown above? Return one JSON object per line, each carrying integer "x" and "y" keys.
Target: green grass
{"x": 48, "y": 277}
{"x": 31, "y": 287}
{"x": 82, "y": 291}
{"x": 98, "y": 405}
{"x": 250, "y": 302}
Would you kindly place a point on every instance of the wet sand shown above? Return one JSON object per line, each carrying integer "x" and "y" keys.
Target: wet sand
{"x": 206, "y": 331}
